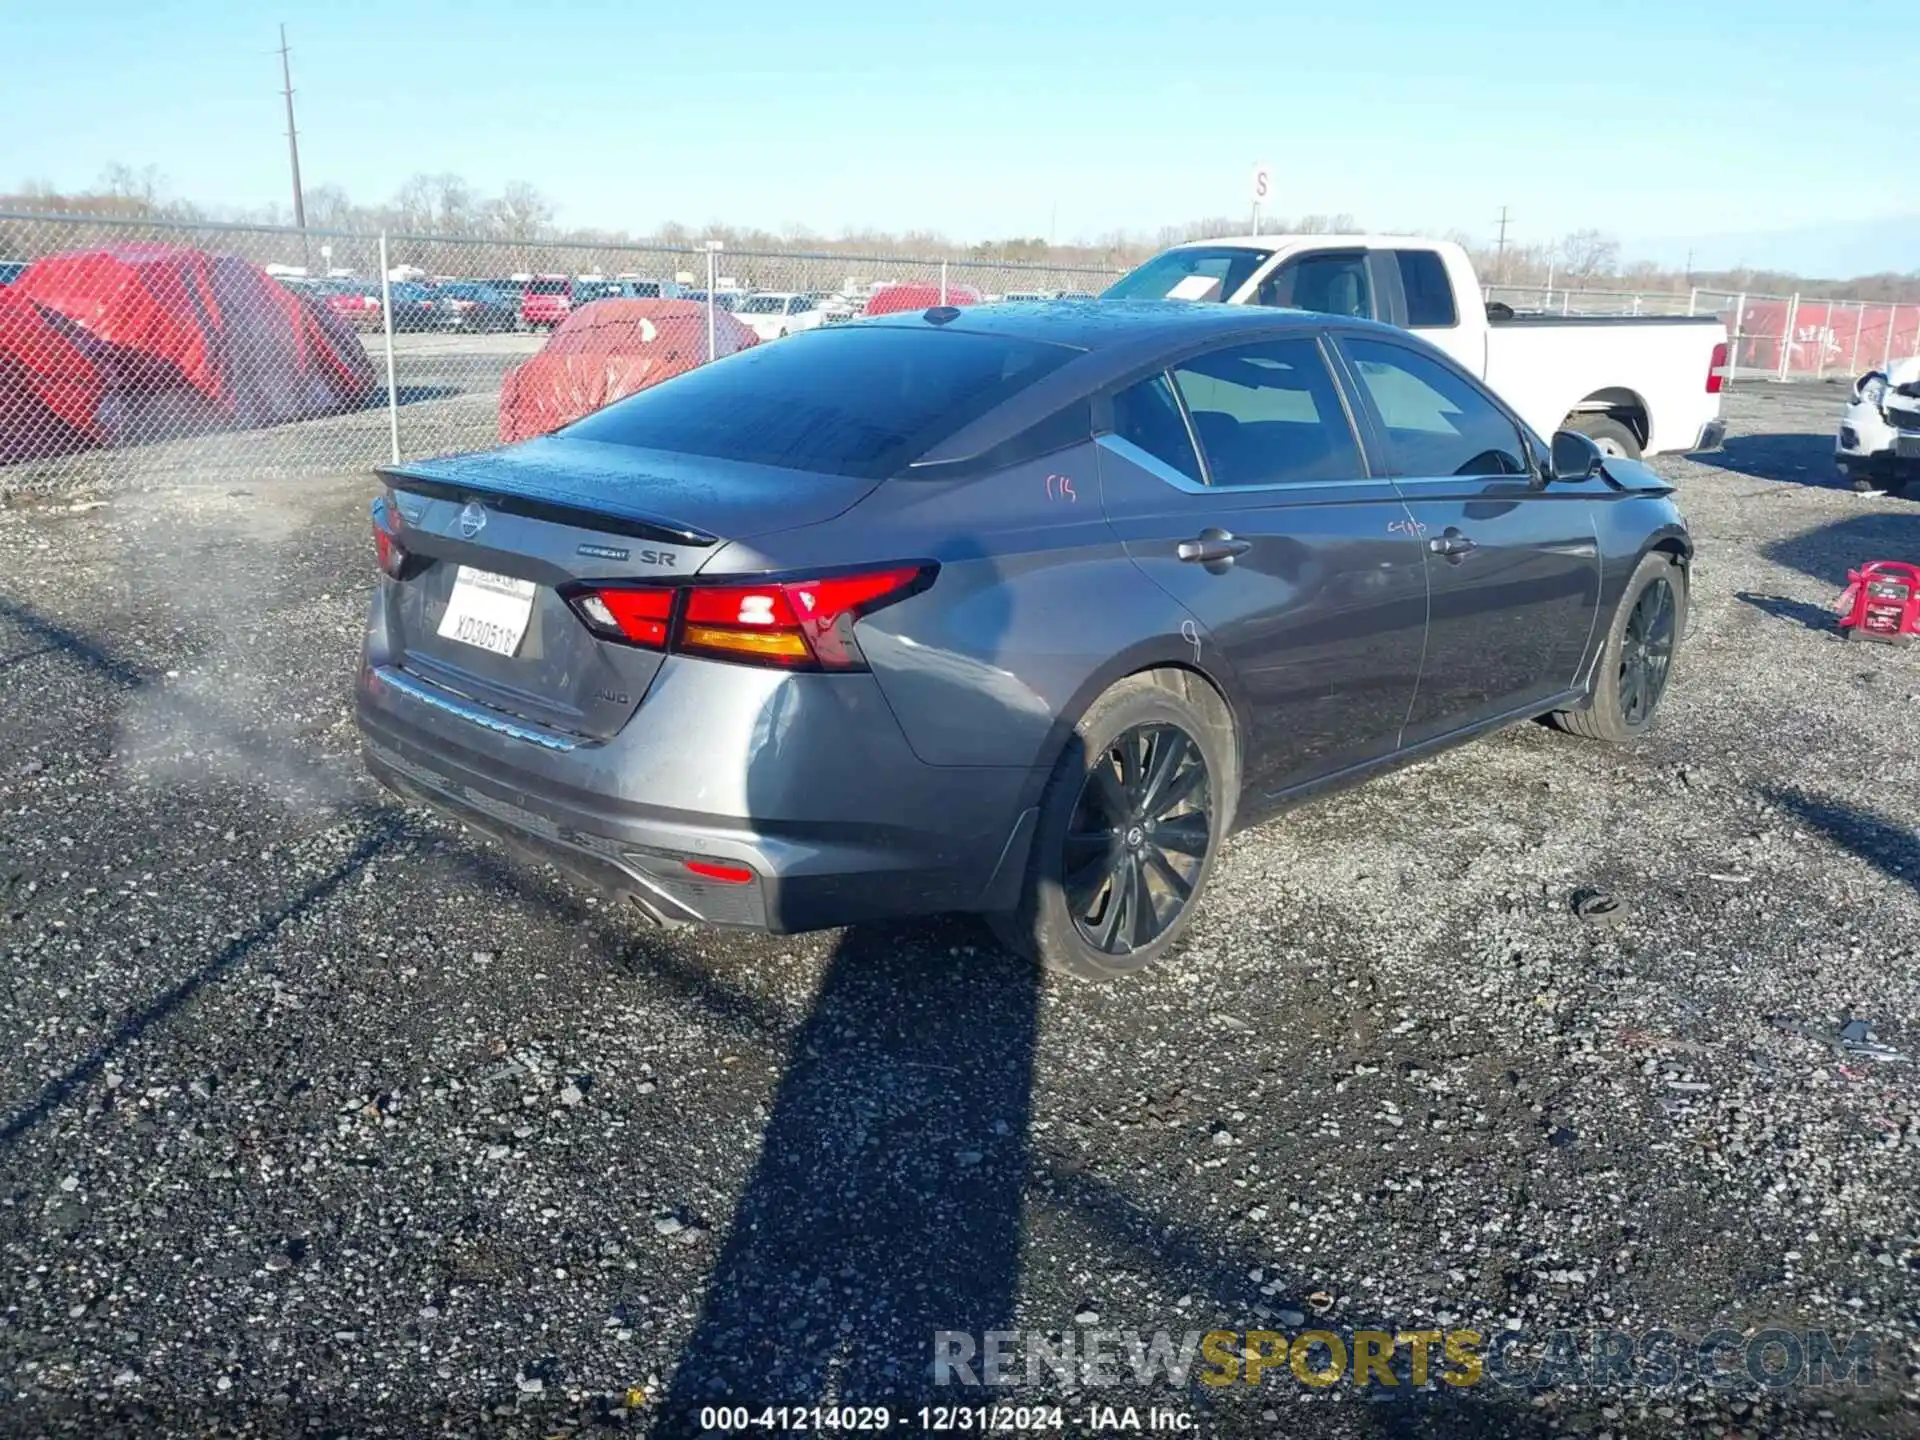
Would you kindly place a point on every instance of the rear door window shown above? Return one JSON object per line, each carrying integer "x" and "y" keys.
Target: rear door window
{"x": 1423, "y": 276}
{"x": 865, "y": 401}
{"x": 1435, "y": 421}
{"x": 1269, "y": 414}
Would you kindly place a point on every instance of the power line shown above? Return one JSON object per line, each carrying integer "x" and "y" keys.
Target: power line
{"x": 293, "y": 139}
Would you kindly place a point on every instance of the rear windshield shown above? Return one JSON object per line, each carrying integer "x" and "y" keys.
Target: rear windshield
{"x": 1198, "y": 272}
{"x": 866, "y": 400}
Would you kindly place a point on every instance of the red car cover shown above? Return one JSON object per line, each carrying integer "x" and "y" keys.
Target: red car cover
{"x": 607, "y": 350}
{"x": 53, "y": 378}
{"x": 212, "y": 331}
{"x": 918, "y": 295}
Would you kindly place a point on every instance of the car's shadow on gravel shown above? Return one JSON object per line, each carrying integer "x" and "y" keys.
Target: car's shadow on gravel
{"x": 1791, "y": 459}
{"x": 1887, "y": 845}
{"x": 1828, "y": 552}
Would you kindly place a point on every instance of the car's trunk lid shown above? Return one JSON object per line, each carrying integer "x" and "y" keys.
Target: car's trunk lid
{"x": 542, "y": 517}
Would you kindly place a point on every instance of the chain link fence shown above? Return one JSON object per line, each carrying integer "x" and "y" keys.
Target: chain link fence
{"x": 328, "y": 352}
{"x": 119, "y": 366}
{"x": 1771, "y": 337}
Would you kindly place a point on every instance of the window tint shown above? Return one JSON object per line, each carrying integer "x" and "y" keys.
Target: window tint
{"x": 1332, "y": 284}
{"x": 1268, "y": 414}
{"x": 1148, "y": 415}
{"x": 867, "y": 400}
{"x": 1437, "y": 422}
{"x": 1198, "y": 272}
{"x": 1423, "y": 275}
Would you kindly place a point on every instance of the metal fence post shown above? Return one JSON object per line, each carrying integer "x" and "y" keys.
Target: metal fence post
{"x": 1859, "y": 324}
{"x": 1733, "y": 348}
{"x": 1786, "y": 335}
{"x": 943, "y": 282}
{"x": 386, "y": 322}
{"x": 1893, "y": 320}
{"x": 1693, "y": 296}
{"x": 713, "y": 247}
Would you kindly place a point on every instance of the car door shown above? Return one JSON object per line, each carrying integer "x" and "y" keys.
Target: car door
{"x": 1237, "y": 482}
{"x": 1513, "y": 567}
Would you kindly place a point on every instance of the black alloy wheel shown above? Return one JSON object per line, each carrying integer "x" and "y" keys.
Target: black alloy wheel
{"x": 1646, "y": 651}
{"x": 1138, "y": 839}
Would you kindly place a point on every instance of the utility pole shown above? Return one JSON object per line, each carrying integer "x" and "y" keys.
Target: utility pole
{"x": 293, "y": 143}
{"x": 1500, "y": 265}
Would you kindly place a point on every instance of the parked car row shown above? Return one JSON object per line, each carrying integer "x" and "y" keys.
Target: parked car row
{"x": 542, "y": 302}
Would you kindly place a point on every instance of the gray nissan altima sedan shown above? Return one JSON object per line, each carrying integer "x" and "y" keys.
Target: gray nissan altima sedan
{"x": 1014, "y": 609}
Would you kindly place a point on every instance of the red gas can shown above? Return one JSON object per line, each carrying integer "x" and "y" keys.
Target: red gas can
{"x": 1881, "y": 601}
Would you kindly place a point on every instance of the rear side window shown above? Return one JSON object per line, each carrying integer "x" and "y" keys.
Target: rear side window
{"x": 866, "y": 400}
{"x": 1269, "y": 414}
{"x": 1436, "y": 421}
{"x": 1423, "y": 276}
{"x": 1148, "y": 415}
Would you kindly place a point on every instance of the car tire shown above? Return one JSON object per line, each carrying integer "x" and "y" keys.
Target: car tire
{"x": 1060, "y": 923}
{"x": 1623, "y": 705}
{"x": 1609, "y": 434}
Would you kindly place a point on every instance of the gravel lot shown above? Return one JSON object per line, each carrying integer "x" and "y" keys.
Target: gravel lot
{"x": 319, "y": 1116}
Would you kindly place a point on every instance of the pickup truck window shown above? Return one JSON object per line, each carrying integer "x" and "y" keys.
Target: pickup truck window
{"x": 1423, "y": 276}
{"x": 1269, "y": 414}
{"x": 1197, "y": 272}
{"x": 1331, "y": 282}
{"x": 1148, "y": 415}
{"x": 1435, "y": 422}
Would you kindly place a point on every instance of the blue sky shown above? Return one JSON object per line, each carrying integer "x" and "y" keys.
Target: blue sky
{"x": 1662, "y": 123}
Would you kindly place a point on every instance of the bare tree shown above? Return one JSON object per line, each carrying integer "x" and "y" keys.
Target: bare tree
{"x": 519, "y": 212}
{"x": 1586, "y": 254}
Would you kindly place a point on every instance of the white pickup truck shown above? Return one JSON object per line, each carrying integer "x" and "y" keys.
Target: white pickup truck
{"x": 1637, "y": 384}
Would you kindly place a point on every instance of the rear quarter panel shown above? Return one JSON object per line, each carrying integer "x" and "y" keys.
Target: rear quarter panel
{"x": 1036, "y": 610}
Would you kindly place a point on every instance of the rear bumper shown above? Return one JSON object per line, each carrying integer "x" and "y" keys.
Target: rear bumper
{"x": 833, "y": 816}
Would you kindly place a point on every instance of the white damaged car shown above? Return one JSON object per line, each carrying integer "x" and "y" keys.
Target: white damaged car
{"x": 1878, "y": 447}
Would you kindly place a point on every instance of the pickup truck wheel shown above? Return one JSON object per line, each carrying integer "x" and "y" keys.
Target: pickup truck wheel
{"x": 1610, "y": 435}
{"x": 1130, "y": 823}
{"x": 1637, "y": 660}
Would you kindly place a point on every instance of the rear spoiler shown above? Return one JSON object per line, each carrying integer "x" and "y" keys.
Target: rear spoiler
{"x": 511, "y": 490}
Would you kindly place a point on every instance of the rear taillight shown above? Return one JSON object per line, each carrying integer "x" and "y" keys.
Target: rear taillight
{"x": 1717, "y": 369}
{"x": 637, "y": 617}
{"x": 390, "y": 554}
{"x": 802, "y": 624}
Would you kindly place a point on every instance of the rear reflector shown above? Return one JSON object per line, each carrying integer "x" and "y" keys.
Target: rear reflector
{"x": 639, "y": 617}
{"x": 1717, "y": 369}
{"x": 725, "y": 874}
{"x": 793, "y": 624}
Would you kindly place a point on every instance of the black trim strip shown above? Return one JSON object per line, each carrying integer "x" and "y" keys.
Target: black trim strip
{"x": 508, "y": 503}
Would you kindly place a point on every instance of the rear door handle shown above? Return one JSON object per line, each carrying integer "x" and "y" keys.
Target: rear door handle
{"x": 1451, "y": 543}
{"x": 1213, "y": 547}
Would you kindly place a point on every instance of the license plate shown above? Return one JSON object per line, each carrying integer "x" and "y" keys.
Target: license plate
{"x": 488, "y": 611}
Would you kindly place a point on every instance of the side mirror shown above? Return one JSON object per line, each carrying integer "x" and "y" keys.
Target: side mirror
{"x": 1870, "y": 387}
{"x": 1575, "y": 456}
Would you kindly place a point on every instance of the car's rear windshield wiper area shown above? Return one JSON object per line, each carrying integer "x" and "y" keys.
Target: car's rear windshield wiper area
{"x": 864, "y": 401}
